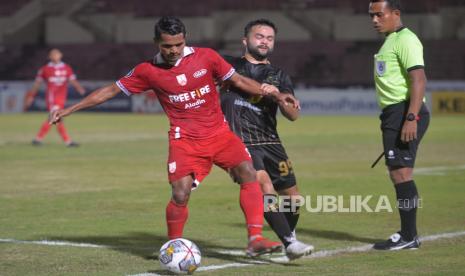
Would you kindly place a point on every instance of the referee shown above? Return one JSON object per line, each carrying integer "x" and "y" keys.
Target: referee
{"x": 400, "y": 85}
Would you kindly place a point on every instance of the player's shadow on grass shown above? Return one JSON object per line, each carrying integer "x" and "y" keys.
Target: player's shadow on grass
{"x": 334, "y": 235}
{"x": 146, "y": 245}
{"x": 325, "y": 234}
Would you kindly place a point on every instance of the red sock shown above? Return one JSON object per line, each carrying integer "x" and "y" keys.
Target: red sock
{"x": 251, "y": 199}
{"x": 176, "y": 216}
{"x": 62, "y": 130}
{"x": 43, "y": 131}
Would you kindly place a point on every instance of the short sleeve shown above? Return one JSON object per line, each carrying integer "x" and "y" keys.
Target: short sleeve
{"x": 285, "y": 84}
{"x": 220, "y": 67}
{"x": 134, "y": 82}
{"x": 410, "y": 52}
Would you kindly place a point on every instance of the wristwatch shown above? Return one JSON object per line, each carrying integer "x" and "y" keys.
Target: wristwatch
{"x": 412, "y": 117}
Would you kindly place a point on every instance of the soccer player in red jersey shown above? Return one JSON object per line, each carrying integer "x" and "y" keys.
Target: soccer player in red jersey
{"x": 56, "y": 74}
{"x": 184, "y": 80}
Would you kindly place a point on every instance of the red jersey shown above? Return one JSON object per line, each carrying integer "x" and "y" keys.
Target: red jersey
{"x": 186, "y": 91}
{"x": 56, "y": 76}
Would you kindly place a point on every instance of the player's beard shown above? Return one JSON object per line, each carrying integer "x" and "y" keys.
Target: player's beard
{"x": 256, "y": 54}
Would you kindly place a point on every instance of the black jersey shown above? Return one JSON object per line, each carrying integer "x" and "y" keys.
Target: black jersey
{"x": 253, "y": 118}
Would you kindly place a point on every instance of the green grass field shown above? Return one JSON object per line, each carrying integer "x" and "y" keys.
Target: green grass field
{"x": 112, "y": 191}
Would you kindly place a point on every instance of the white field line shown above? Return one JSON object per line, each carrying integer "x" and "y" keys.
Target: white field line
{"x": 55, "y": 243}
{"x": 317, "y": 254}
{"x": 441, "y": 170}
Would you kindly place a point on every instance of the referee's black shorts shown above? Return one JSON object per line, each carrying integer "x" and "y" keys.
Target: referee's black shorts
{"x": 273, "y": 159}
{"x": 397, "y": 153}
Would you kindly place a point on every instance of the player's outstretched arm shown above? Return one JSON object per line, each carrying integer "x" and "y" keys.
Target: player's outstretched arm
{"x": 252, "y": 87}
{"x": 78, "y": 87}
{"x": 97, "y": 97}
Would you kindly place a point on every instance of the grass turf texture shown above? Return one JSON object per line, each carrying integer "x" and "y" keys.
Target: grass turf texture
{"x": 113, "y": 191}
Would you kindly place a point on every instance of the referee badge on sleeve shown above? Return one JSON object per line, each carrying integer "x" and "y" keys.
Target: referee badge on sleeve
{"x": 380, "y": 67}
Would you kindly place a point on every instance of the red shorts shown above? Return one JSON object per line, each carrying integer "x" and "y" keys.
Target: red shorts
{"x": 55, "y": 106}
{"x": 195, "y": 157}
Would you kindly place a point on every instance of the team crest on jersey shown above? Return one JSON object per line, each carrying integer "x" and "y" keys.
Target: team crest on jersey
{"x": 172, "y": 167}
{"x": 182, "y": 80}
{"x": 380, "y": 67}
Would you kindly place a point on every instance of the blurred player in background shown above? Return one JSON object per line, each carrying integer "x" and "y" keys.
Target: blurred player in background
{"x": 400, "y": 85}
{"x": 184, "y": 80}
{"x": 253, "y": 119}
{"x": 56, "y": 74}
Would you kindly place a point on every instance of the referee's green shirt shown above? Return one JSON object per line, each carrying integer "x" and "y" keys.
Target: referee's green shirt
{"x": 401, "y": 52}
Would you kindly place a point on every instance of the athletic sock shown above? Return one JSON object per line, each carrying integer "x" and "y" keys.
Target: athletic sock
{"x": 43, "y": 131}
{"x": 62, "y": 130}
{"x": 293, "y": 214}
{"x": 250, "y": 199}
{"x": 407, "y": 201}
{"x": 276, "y": 219}
{"x": 176, "y": 217}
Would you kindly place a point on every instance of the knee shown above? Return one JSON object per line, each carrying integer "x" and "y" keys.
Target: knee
{"x": 245, "y": 173}
{"x": 400, "y": 175}
{"x": 181, "y": 195}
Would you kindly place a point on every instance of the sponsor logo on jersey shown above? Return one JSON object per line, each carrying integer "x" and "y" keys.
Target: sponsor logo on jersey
{"x": 391, "y": 154}
{"x": 172, "y": 167}
{"x": 199, "y": 73}
{"x": 191, "y": 98}
{"x": 58, "y": 78}
{"x": 182, "y": 80}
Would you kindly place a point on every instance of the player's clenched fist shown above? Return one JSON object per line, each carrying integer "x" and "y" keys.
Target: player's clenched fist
{"x": 269, "y": 89}
{"x": 56, "y": 116}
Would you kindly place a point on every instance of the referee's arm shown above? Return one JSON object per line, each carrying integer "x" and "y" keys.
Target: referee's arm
{"x": 417, "y": 93}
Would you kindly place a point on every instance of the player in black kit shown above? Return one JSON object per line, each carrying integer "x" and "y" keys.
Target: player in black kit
{"x": 253, "y": 119}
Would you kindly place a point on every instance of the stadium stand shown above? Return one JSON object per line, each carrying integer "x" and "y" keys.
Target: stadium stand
{"x": 7, "y": 8}
{"x": 326, "y": 56}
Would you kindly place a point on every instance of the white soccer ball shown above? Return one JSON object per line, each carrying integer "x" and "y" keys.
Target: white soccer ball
{"x": 180, "y": 256}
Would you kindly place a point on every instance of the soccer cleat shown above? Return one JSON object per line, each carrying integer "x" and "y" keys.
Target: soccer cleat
{"x": 72, "y": 145}
{"x": 298, "y": 249}
{"x": 261, "y": 245}
{"x": 36, "y": 142}
{"x": 396, "y": 242}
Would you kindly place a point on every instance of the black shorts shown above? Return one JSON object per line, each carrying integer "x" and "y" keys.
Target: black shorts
{"x": 273, "y": 159}
{"x": 397, "y": 153}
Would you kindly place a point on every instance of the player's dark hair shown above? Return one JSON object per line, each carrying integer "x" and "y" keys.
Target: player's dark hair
{"x": 259, "y": 22}
{"x": 169, "y": 25}
{"x": 393, "y": 4}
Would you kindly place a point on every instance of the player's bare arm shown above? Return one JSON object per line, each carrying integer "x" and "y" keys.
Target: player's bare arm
{"x": 29, "y": 98}
{"x": 417, "y": 92}
{"x": 78, "y": 87}
{"x": 252, "y": 87}
{"x": 289, "y": 111}
{"x": 97, "y": 97}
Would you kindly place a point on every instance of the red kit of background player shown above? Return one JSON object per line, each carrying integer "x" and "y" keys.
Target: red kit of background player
{"x": 56, "y": 75}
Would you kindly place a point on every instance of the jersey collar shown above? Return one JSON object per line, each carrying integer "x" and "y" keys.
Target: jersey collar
{"x": 59, "y": 64}
{"x": 400, "y": 29}
{"x": 158, "y": 59}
